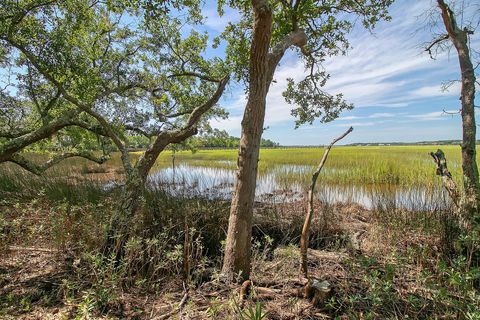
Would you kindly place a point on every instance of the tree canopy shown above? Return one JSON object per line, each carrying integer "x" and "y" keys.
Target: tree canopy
{"x": 84, "y": 73}
{"x": 315, "y": 30}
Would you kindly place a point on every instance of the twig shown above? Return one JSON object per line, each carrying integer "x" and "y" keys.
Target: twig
{"x": 175, "y": 310}
{"x": 16, "y": 248}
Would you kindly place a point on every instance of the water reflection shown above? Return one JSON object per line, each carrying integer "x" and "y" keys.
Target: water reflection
{"x": 272, "y": 186}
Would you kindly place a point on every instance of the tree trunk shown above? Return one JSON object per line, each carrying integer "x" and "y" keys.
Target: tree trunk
{"x": 238, "y": 245}
{"x": 120, "y": 227}
{"x": 469, "y": 163}
{"x": 459, "y": 38}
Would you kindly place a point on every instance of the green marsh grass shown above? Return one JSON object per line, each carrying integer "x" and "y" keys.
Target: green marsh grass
{"x": 370, "y": 165}
{"x": 350, "y": 170}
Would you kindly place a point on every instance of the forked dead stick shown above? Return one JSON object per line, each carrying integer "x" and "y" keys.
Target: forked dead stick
{"x": 309, "y": 215}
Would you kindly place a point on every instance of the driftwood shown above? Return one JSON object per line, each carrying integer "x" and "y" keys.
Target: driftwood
{"x": 266, "y": 293}
{"x": 451, "y": 187}
{"x": 318, "y": 292}
{"x": 309, "y": 215}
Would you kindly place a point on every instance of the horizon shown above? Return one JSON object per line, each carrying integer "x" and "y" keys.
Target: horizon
{"x": 393, "y": 83}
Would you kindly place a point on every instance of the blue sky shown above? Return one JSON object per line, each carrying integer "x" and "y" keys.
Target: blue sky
{"x": 394, "y": 85}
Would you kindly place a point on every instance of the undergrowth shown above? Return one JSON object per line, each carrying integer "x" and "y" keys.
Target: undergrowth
{"x": 410, "y": 263}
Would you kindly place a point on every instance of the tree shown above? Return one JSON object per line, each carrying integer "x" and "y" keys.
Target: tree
{"x": 111, "y": 69}
{"x": 256, "y": 45}
{"x": 458, "y": 36}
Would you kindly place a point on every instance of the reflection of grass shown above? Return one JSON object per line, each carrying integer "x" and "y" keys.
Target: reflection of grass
{"x": 394, "y": 165}
{"x": 369, "y": 167}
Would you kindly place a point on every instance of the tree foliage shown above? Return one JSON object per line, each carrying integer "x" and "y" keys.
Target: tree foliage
{"x": 325, "y": 26}
{"x": 78, "y": 74}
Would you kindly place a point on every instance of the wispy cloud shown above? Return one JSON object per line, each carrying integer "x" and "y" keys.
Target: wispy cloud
{"x": 433, "y": 116}
{"x": 217, "y": 22}
{"x": 383, "y": 71}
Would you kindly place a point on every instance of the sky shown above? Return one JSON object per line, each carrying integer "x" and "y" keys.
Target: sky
{"x": 395, "y": 86}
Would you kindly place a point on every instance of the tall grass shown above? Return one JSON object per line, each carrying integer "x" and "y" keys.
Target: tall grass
{"x": 22, "y": 185}
{"x": 396, "y": 165}
{"x": 397, "y": 176}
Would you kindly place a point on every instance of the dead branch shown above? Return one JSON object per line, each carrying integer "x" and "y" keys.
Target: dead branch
{"x": 451, "y": 113}
{"x": 450, "y": 185}
{"x": 309, "y": 215}
{"x": 34, "y": 249}
{"x": 175, "y": 310}
{"x": 434, "y": 43}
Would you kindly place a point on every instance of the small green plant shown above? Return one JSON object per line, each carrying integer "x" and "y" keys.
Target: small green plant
{"x": 215, "y": 308}
{"x": 250, "y": 313}
{"x": 86, "y": 307}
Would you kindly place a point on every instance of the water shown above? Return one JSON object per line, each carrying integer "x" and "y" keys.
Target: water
{"x": 273, "y": 186}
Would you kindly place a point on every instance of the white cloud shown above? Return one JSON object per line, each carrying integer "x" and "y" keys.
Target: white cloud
{"x": 218, "y": 23}
{"x": 433, "y": 116}
{"x": 435, "y": 91}
{"x": 230, "y": 124}
{"x": 360, "y": 124}
{"x": 388, "y": 69}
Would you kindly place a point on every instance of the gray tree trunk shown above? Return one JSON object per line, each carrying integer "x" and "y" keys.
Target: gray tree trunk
{"x": 459, "y": 38}
{"x": 304, "y": 238}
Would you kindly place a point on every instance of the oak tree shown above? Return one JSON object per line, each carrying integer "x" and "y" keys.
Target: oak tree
{"x": 109, "y": 69}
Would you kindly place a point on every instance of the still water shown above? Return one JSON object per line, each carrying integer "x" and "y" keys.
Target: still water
{"x": 277, "y": 186}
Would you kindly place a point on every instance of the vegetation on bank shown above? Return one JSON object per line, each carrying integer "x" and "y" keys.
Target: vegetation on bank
{"x": 399, "y": 265}
{"x": 385, "y": 263}
{"x": 84, "y": 79}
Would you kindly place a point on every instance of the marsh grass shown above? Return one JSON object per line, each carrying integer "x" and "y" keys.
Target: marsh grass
{"x": 396, "y": 165}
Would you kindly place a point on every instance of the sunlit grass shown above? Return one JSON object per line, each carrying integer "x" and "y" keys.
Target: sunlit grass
{"x": 393, "y": 165}
{"x": 399, "y": 172}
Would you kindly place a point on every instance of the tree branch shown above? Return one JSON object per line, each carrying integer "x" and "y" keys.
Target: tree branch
{"x": 310, "y": 210}
{"x": 10, "y": 134}
{"x": 36, "y": 63}
{"x": 295, "y": 38}
{"x": 200, "y": 110}
{"x": 165, "y": 138}
{"x": 87, "y": 126}
{"x": 39, "y": 169}
{"x": 194, "y": 74}
{"x": 12, "y": 146}
{"x": 435, "y": 42}
{"x": 141, "y": 131}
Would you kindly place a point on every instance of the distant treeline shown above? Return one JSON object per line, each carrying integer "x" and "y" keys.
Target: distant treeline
{"x": 212, "y": 139}
{"x": 419, "y": 143}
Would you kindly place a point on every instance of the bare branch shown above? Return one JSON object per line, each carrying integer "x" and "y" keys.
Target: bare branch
{"x": 310, "y": 210}
{"x": 451, "y": 113}
{"x": 39, "y": 169}
{"x": 434, "y": 43}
